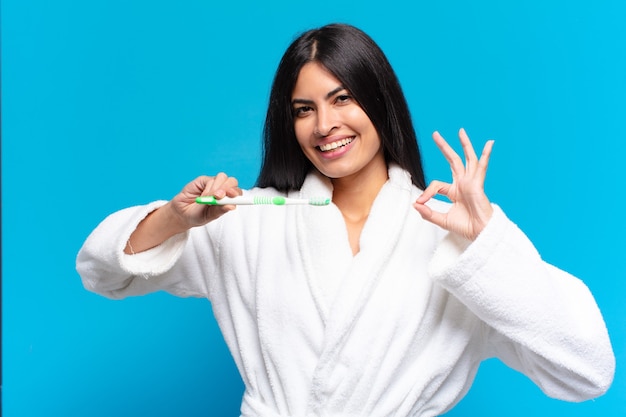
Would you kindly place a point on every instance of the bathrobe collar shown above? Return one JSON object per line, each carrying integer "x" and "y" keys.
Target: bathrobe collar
{"x": 339, "y": 281}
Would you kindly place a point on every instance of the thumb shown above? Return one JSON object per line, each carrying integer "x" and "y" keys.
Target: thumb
{"x": 424, "y": 211}
{"x": 428, "y": 214}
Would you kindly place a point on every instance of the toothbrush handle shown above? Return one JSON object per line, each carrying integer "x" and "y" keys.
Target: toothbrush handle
{"x": 241, "y": 200}
{"x": 261, "y": 200}
{"x": 212, "y": 201}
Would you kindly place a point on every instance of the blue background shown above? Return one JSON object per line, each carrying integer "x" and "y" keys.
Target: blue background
{"x": 107, "y": 104}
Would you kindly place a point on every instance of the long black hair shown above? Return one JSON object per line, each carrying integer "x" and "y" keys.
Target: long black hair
{"x": 362, "y": 68}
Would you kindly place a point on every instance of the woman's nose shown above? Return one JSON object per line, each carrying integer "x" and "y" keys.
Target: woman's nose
{"x": 326, "y": 121}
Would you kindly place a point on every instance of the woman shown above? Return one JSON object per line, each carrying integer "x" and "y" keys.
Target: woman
{"x": 380, "y": 304}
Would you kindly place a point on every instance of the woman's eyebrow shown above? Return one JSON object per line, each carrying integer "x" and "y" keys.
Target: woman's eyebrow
{"x": 328, "y": 95}
{"x": 335, "y": 91}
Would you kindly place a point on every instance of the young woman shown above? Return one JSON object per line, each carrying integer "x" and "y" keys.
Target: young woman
{"x": 382, "y": 303}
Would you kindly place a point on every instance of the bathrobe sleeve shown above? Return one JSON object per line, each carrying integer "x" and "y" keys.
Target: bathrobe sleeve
{"x": 538, "y": 319}
{"x": 105, "y": 268}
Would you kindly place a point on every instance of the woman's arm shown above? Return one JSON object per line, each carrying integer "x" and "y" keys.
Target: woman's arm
{"x": 540, "y": 320}
{"x": 543, "y": 321}
{"x": 134, "y": 251}
{"x": 182, "y": 212}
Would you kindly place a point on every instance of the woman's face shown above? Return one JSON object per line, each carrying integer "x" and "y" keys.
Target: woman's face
{"x": 332, "y": 129}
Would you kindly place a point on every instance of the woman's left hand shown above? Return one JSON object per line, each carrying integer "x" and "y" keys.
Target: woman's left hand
{"x": 471, "y": 209}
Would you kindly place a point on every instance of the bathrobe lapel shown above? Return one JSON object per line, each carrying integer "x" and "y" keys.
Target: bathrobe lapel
{"x": 341, "y": 284}
{"x": 323, "y": 244}
{"x": 378, "y": 241}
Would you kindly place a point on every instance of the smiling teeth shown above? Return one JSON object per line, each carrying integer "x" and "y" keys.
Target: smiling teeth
{"x": 335, "y": 145}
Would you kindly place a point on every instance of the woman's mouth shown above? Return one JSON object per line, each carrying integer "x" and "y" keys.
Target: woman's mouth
{"x": 329, "y": 147}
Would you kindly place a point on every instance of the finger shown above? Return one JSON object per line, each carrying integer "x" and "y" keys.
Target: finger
{"x": 224, "y": 181}
{"x": 483, "y": 162}
{"x": 423, "y": 210}
{"x": 428, "y": 214}
{"x": 222, "y": 185}
{"x": 234, "y": 192}
{"x": 231, "y": 187}
{"x": 468, "y": 149}
{"x": 434, "y": 188}
{"x": 208, "y": 186}
{"x": 219, "y": 180}
{"x": 456, "y": 164}
{"x": 197, "y": 186}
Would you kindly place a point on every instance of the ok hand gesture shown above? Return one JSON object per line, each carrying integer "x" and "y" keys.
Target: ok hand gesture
{"x": 471, "y": 209}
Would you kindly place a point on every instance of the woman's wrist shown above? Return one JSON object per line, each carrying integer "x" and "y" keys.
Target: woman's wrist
{"x": 154, "y": 229}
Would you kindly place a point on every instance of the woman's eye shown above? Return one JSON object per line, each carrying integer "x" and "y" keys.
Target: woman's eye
{"x": 343, "y": 98}
{"x": 302, "y": 110}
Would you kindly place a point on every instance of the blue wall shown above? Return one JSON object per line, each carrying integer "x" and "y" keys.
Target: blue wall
{"x": 112, "y": 103}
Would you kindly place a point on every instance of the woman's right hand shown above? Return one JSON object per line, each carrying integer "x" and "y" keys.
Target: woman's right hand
{"x": 191, "y": 214}
{"x": 182, "y": 212}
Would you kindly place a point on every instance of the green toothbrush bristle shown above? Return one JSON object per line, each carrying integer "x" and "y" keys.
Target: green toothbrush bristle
{"x": 319, "y": 201}
{"x": 262, "y": 200}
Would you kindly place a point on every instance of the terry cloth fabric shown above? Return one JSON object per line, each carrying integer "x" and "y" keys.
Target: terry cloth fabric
{"x": 397, "y": 330}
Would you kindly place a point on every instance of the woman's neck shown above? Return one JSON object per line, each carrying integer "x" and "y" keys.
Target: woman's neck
{"x": 354, "y": 197}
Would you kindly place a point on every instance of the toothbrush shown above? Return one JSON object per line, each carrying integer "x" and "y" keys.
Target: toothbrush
{"x": 262, "y": 200}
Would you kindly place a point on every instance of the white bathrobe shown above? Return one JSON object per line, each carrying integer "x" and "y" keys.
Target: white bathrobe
{"x": 397, "y": 330}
